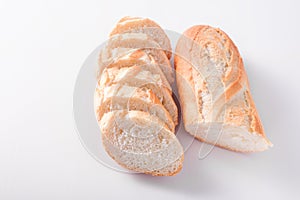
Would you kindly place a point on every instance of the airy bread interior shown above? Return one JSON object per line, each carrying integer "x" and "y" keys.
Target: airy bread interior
{"x": 232, "y": 137}
{"x": 141, "y": 142}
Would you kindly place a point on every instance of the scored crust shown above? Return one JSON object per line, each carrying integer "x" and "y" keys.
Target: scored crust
{"x": 214, "y": 89}
{"x": 133, "y": 99}
{"x": 122, "y": 97}
{"x": 141, "y": 60}
{"x": 147, "y": 26}
{"x": 123, "y": 44}
{"x": 141, "y": 78}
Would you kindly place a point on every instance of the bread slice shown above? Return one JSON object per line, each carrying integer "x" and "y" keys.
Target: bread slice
{"x": 216, "y": 103}
{"x": 140, "y": 60}
{"x": 134, "y": 75}
{"x": 139, "y": 141}
{"x": 147, "y": 26}
{"x": 122, "y": 97}
{"x": 140, "y": 78}
{"x": 123, "y": 44}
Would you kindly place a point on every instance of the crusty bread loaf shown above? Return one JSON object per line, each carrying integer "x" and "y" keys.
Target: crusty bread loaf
{"x": 216, "y": 103}
{"x": 141, "y": 142}
{"x": 133, "y": 99}
{"x": 147, "y": 26}
{"x": 123, "y": 44}
{"x": 138, "y": 77}
{"x": 123, "y": 97}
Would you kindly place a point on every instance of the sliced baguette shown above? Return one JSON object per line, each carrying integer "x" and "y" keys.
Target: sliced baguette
{"x": 141, "y": 79}
{"x": 139, "y": 141}
{"x": 214, "y": 92}
{"x": 140, "y": 60}
{"x": 122, "y": 97}
{"x": 147, "y": 26}
{"x": 123, "y": 44}
{"x": 134, "y": 75}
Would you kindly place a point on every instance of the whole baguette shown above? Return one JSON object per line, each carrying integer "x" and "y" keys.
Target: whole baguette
{"x": 214, "y": 91}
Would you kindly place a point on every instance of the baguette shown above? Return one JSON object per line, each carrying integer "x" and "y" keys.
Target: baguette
{"x": 214, "y": 92}
{"x": 133, "y": 99}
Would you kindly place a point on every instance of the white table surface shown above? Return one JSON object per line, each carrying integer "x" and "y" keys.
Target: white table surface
{"x": 42, "y": 47}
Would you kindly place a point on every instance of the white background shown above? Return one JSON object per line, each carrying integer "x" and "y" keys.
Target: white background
{"x": 42, "y": 47}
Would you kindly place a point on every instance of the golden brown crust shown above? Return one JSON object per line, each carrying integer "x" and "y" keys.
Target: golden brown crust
{"x": 137, "y": 24}
{"x": 138, "y": 103}
{"x": 142, "y": 59}
{"x": 127, "y": 44}
{"x": 173, "y": 173}
{"x": 220, "y": 49}
{"x": 143, "y": 22}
